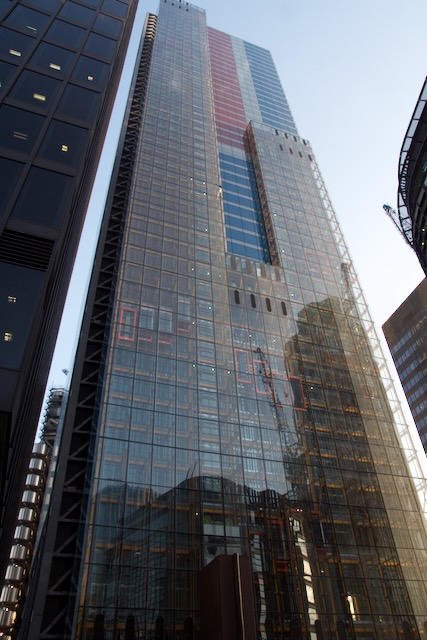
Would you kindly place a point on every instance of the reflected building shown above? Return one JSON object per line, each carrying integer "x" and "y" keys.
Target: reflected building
{"x": 226, "y": 398}
{"x": 405, "y": 332}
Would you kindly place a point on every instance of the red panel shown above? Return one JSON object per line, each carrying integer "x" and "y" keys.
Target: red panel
{"x": 127, "y": 324}
{"x": 229, "y": 110}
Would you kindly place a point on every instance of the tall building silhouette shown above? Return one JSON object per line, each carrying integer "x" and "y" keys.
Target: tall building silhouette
{"x": 60, "y": 65}
{"x": 227, "y": 424}
{"x": 405, "y": 332}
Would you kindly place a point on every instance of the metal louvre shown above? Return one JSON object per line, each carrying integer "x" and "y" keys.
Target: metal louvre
{"x": 24, "y": 250}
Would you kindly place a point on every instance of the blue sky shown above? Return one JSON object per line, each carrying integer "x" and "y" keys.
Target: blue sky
{"x": 352, "y": 72}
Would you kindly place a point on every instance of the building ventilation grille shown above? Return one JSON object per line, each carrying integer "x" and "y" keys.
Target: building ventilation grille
{"x": 25, "y": 250}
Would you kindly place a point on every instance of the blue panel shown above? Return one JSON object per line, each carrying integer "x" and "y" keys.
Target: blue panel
{"x": 245, "y": 229}
{"x": 271, "y": 99}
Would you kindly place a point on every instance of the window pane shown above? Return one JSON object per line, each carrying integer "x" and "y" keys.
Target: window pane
{"x": 115, "y": 8}
{"x": 46, "y": 5}
{"x": 91, "y": 72}
{"x": 52, "y": 58}
{"x": 6, "y": 71}
{"x": 19, "y": 129}
{"x": 43, "y": 197}
{"x": 99, "y": 46}
{"x": 27, "y": 19}
{"x": 66, "y": 34}
{"x": 80, "y": 104}
{"x": 14, "y": 45}
{"x": 27, "y": 287}
{"x": 9, "y": 172}
{"x": 107, "y": 25}
{"x": 77, "y": 14}
{"x": 63, "y": 143}
{"x": 5, "y": 5}
{"x": 36, "y": 89}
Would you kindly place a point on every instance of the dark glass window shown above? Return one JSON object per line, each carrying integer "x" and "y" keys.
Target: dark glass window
{"x": 43, "y": 197}
{"x": 115, "y": 8}
{"x": 91, "y": 72}
{"x": 236, "y": 297}
{"x": 9, "y": 172}
{"x": 77, "y": 14}
{"x": 27, "y": 19}
{"x": 66, "y": 34}
{"x": 6, "y": 71}
{"x": 93, "y": 3}
{"x": 19, "y": 129}
{"x": 52, "y": 58}
{"x": 27, "y": 287}
{"x": 100, "y": 47}
{"x": 284, "y": 310}
{"x": 36, "y": 89}
{"x": 253, "y": 301}
{"x": 268, "y": 303}
{"x": 107, "y": 25}
{"x": 44, "y": 5}
{"x": 14, "y": 45}
{"x": 63, "y": 143}
{"x": 79, "y": 103}
{"x": 4, "y": 6}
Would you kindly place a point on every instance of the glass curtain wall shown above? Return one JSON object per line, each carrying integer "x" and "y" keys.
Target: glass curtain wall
{"x": 241, "y": 409}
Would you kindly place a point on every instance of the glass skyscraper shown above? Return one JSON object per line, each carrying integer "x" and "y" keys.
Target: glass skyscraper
{"x": 226, "y": 399}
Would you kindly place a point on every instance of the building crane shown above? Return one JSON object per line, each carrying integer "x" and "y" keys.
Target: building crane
{"x": 268, "y": 382}
{"x": 403, "y": 223}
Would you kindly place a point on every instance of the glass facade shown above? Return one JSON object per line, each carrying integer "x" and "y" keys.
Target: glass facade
{"x": 239, "y": 406}
{"x": 54, "y": 110}
{"x": 406, "y": 338}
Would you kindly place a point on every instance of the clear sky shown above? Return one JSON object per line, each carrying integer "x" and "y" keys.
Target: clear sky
{"x": 352, "y": 71}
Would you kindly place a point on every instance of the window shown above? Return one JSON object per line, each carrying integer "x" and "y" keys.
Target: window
{"x": 79, "y": 103}
{"x": 66, "y": 34}
{"x": 127, "y": 324}
{"x": 90, "y": 72}
{"x": 284, "y": 310}
{"x": 63, "y": 144}
{"x": 236, "y": 297}
{"x": 253, "y": 301}
{"x": 51, "y": 58}
{"x": 36, "y": 90}
{"x": 165, "y": 321}
{"x": 45, "y": 5}
{"x": 43, "y": 198}
{"x": 77, "y": 14}
{"x": 146, "y": 318}
{"x": 27, "y": 20}
{"x": 10, "y": 172}
{"x": 107, "y": 25}
{"x": 268, "y": 304}
{"x": 115, "y": 8}
{"x": 100, "y": 47}
{"x": 19, "y": 129}
{"x": 6, "y": 71}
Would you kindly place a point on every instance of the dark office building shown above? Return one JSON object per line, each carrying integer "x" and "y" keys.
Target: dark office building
{"x": 411, "y": 215}
{"x": 406, "y": 335}
{"x": 60, "y": 64}
{"x": 227, "y": 429}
